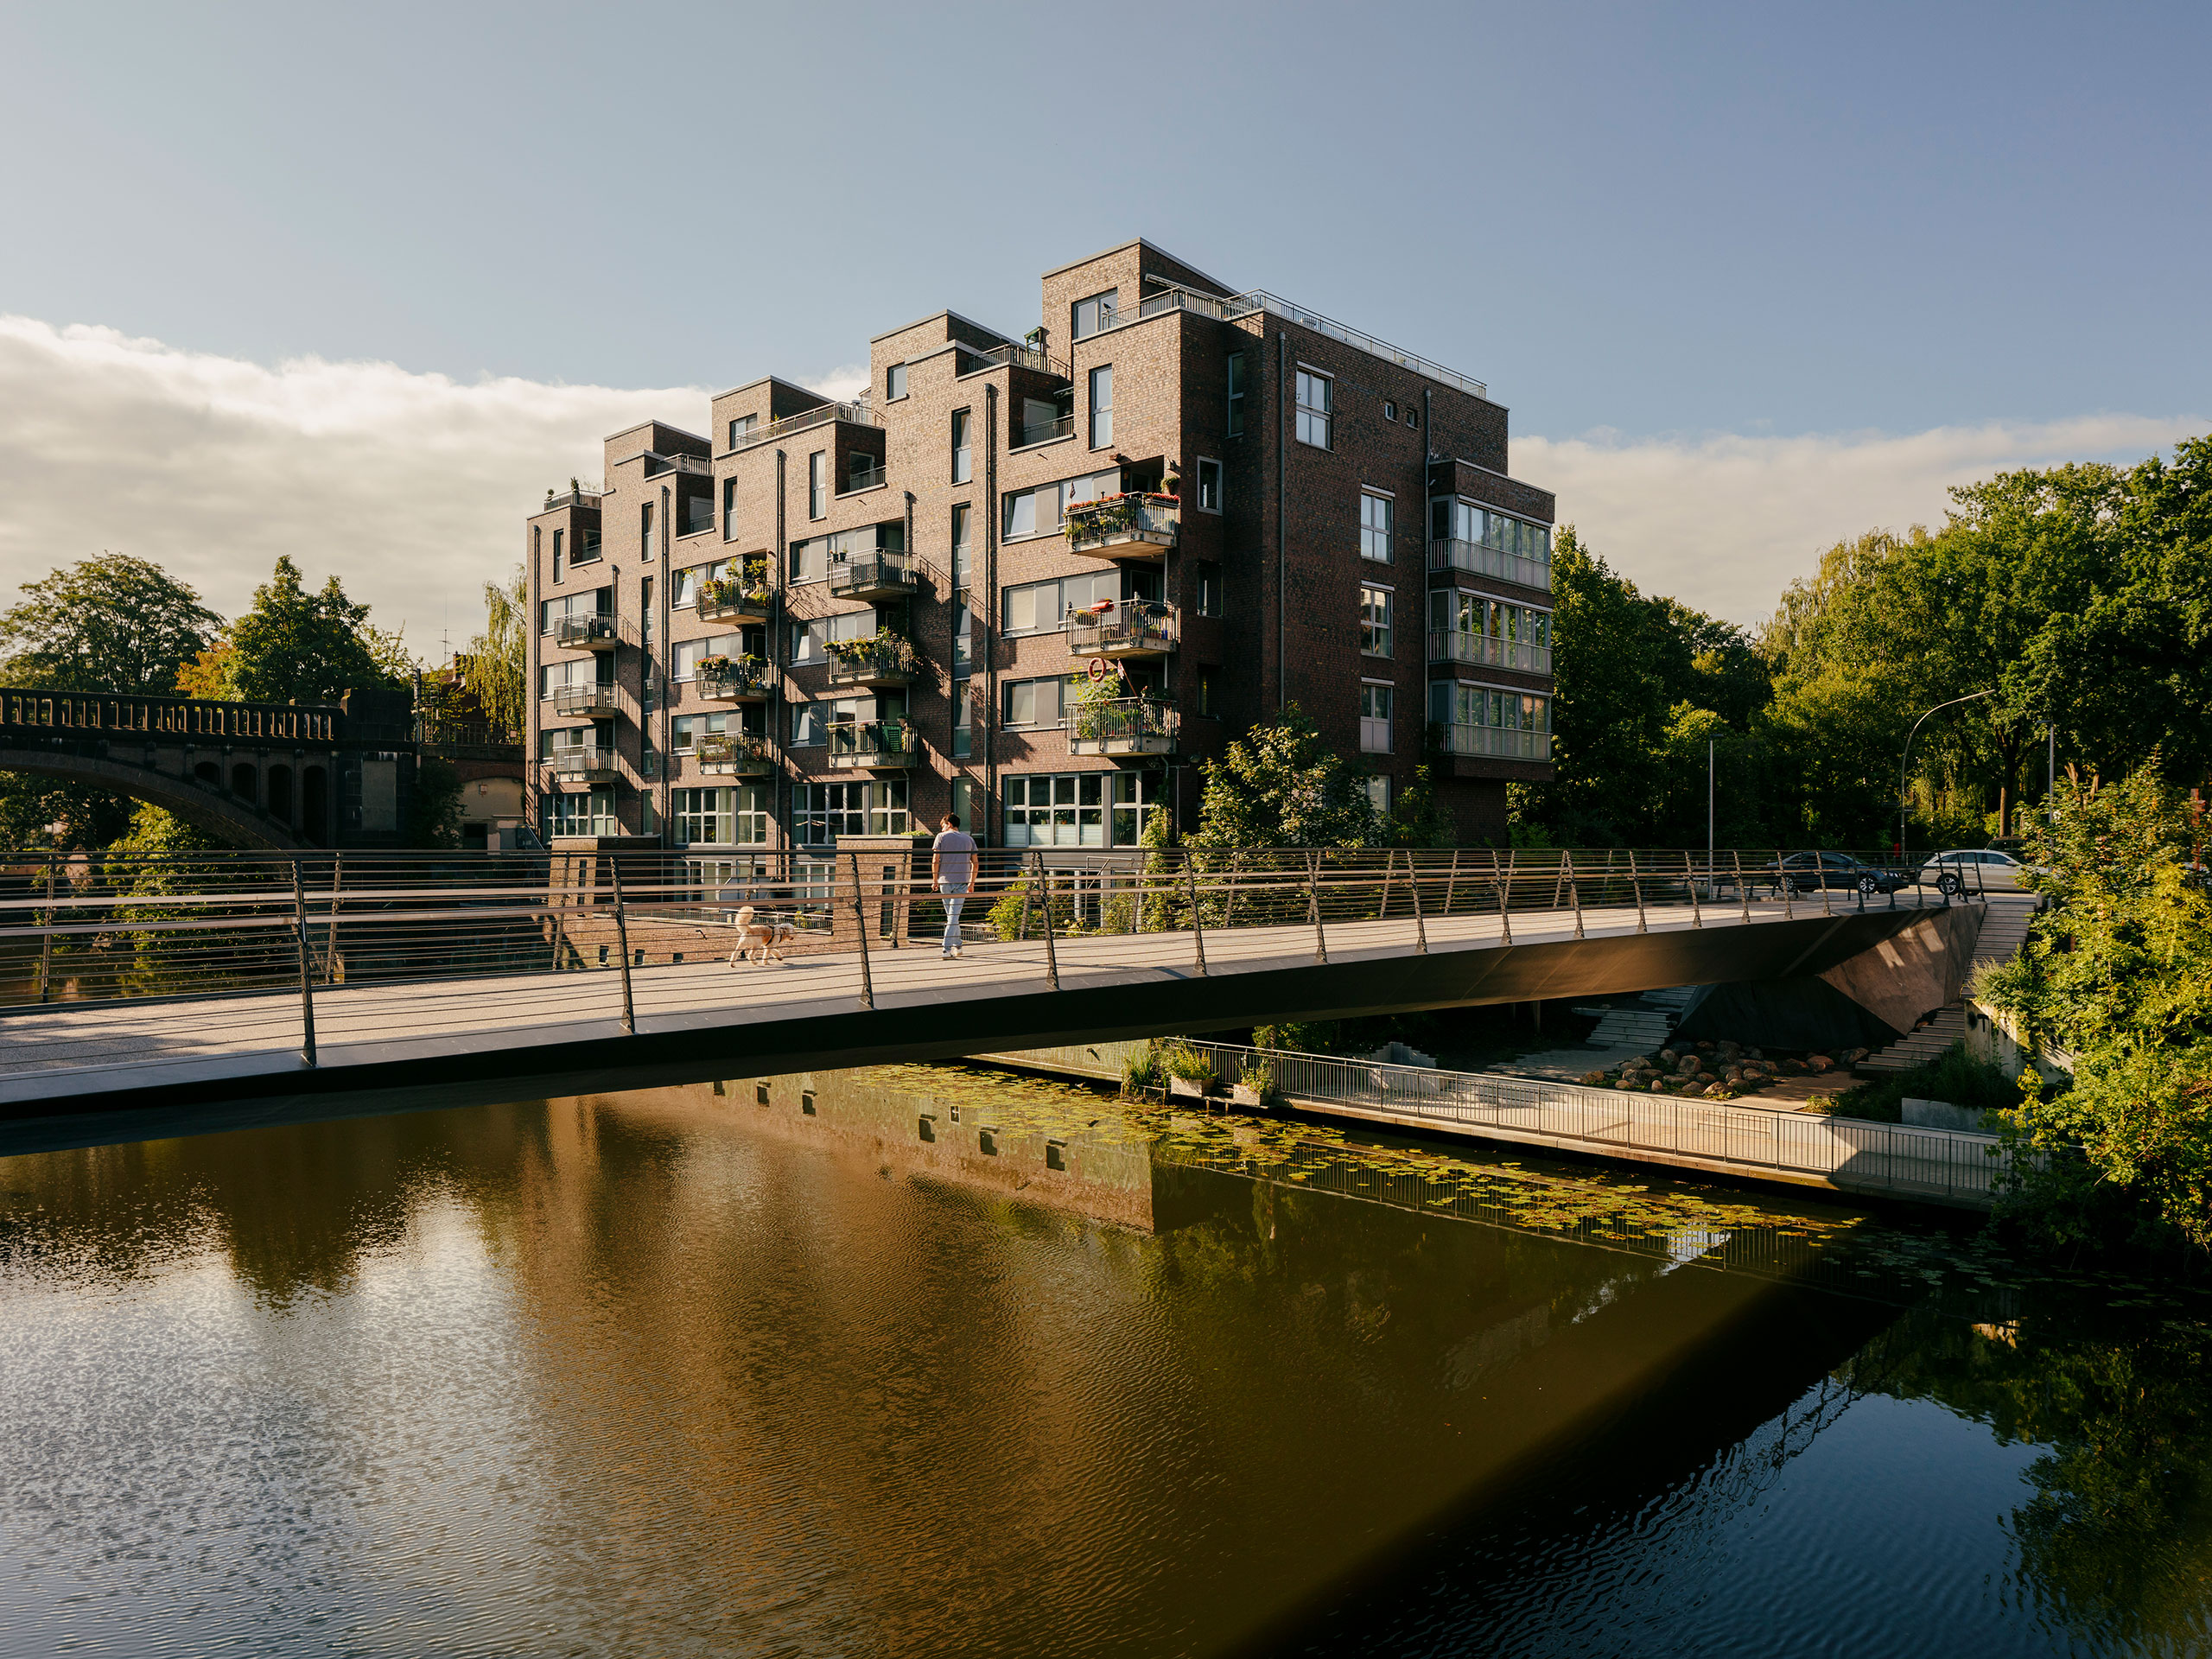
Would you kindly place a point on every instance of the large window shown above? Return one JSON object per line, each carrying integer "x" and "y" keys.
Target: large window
{"x": 1236, "y": 427}
{"x": 686, "y": 591}
{"x": 822, "y": 812}
{"x": 1316, "y": 398}
{"x": 895, "y": 382}
{"x": 559, "y": 553}
{"x": 1374, "y": 718}
{"x": 1375, "y": 620}
{"x": 964, "y": 449}
{"x": 963, "y": 549}
{"x": 1452, "y": 703}
{"x": 1471, "y": 628}
{"x": 1463, "y": 521}
{"x": 886, "y": 807}
{"x": 1102, "y": 407}
{"x": 733, "y": 645}
{"x": 741, "y": 428}
{"x": 1039, "y": 512}
{"x": 1096, "y": 313}
{"x": 721, "y": 817}
{"x": 1375, "y": 526}
{"x": 811, "y": 721}
{"x": 729, "y": 508}
{"x": 963, "y": 723}
{"x": 600, "y": 601}
{"x": 1036, "y": 702}
{"x": 1043, "y": 606}
{"x": 810, "y": 559}
{"x": 589, "y": 812}
{"x": 1080, "y": 808}
{"x": 810, "y": 637}
{"x": 818, "y": 485}
{"x": 964, "y": 636}
{"x": 645, "y": 530}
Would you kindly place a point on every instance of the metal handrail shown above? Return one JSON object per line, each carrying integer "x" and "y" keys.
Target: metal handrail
{"x": 1480, "y": 559}
{"x": 858, "y": 413}
{"x": 1128, "y": 624}
{"x": 1484, "y": 650}
{"x": 1258, "y": 299}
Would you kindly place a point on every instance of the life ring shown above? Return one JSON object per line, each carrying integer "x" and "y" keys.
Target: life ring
{"x": 1097, "y": 670}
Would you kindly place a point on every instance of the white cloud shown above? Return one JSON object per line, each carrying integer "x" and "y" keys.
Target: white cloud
{"x": 1724, "y": 522}
{"x": 413, "y": 487}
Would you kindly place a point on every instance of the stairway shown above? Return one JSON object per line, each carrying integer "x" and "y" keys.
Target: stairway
{"x": 2003, "y": 927}
{"x": 1643, "y": 1029}
{"x": 2003, "y": 931}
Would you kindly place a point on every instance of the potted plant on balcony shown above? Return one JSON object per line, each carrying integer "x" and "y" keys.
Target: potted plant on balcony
{"x": 1094, "y": 700}
{"x": 712, "y": 667}
{"x": 756, "y": 581}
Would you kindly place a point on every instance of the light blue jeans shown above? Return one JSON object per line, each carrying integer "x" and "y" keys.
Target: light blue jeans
{"x": 954, "y": 895}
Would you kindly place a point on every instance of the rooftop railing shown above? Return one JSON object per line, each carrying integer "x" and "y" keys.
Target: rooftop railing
{"x": 860, "y": 412}
{"x": 1244, "y": 305}
{"x": 1021, "y": 357}
{"x": 657, "y": 464}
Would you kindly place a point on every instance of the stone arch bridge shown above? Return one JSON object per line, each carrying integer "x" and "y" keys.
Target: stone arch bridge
{"x": 268, "y": 774}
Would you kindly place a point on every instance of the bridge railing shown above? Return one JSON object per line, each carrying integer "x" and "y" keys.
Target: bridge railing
{"x": 623, "y": 934}
{"x": 104, "y": 713}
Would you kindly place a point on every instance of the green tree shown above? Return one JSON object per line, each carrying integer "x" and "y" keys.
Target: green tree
{"x": 1280, "y": 784}
{"x": 494, "y": 669}
{"x": 434, "y": 812}
{"x": 110, "y": 624}
{"x": 296, "y": 646}
{"x": 2118, "y": 972}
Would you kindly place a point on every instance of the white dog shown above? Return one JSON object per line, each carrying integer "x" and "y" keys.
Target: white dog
{"x": 758, "y": 939}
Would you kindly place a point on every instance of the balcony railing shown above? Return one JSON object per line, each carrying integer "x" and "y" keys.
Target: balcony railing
{"x": 1132, "y": 627}
{"x": 1478, "y": 560}
{"x": 594, "y": 700}
{"x": 1127, "y": 725}
{"x": 1043, "y": 431}
{"x": 1500, "y": 743}
{"x": 873, "y": 663}
{"x": 884, "y": 744}
{"x": 735, "y": 754}
{"x": 657, "y": 464}
{"x": 592, "y": 633}
{"x": 728, "y": 601}
{"x": 1243, "y": 305}
{"x": 1449, "y": 645}
{"x": 588, "y": 548}
{"x": 873, "y": 576}
{"x": 858, "y": 412}
{"x": 720, "y": 680}
{"x": 1021, "y": 357}
{"x": 1143, "y": 526}
{"x": 584, "y": 495}
{"x": 585, "y": 766}
{"x": 862, "y": 478}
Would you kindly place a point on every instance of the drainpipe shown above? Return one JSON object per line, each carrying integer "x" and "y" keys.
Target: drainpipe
{"x": 987, "y": 715}
{"x": 531, "y": 782}
{"x": 1282, "y": 525}
{"x": 645, "y": 663}
{"x": 779, "y": 722}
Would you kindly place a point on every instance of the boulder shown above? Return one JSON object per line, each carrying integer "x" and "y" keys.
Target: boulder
{"x": 1793, "y": 1068}
{"x": 1817, "y": 1064}
{"x": 1698, "y": 1088}
{"x": 1668, "y": 1056}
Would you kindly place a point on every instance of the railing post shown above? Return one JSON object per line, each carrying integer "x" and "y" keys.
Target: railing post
{"x": 1504, "y": 892}
{"x": 1574, "y": 890}
{"x": 860, "y": 929}
{"x": 1697, "y": 914}
{"x": 46, "y": 938}
{"x": 330, "y": 933}
{"x": 556, "y": 897}
{"x": 622, "y": 941}
{"x": 306, "y": 974}
{"x": 1451, "y": 879}
{"x": 1313, "y": 902}
{"x": 1052, "y": 952}
{"x": 1783, "y": 888}
{"x": 1421, "y": 923}
{"x": 1636, "y": 886}
{"x": 1743, "y": 887}
{"x": 1197, "y": 927}
{"x": 1820, "y": 867}
{"x": 1390, "y": 869}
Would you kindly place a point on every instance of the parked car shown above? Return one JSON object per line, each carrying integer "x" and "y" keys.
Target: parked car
{"x": 1810, "y": 872}
{"x": 1973, "y": 869}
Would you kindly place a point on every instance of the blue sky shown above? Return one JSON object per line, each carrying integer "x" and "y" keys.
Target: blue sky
{"x": 1641, "y": 226}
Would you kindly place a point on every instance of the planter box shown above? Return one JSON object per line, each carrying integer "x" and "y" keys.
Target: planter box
{"x": 1184, "y": 1089}
{"x": 1244, "y": 1094}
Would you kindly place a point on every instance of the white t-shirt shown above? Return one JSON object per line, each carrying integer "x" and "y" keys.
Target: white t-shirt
{"x": 955, "y": 854}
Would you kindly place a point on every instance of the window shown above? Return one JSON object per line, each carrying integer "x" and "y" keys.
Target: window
{"x": 590, "y": 813}
{"x": 810, "y": 637}
{"x": 686, "y": 591}
{"x": 686, "y": 729}
{"x": 811, "y": 721}
{"x": 1390, "y": 410}
{"x": 964, "y": 727}
{"x": 1209, "y": 588}
{"x": 1056, "y": 809}
{"x": 964, "y": 452}
{"x": 742, "y": 428}
{"x": 822, "y": 812}
{"x": 1102, "y": 407}
{"x": 689, "y": 652}
{"x": 1236, "y": 427}
{"x": 818, "y": 485}
{"x": 1374, "y": 718}
{"x": 1316, "y": 397}
{"x": 1413, "y": 416}
{"x": 810, "y": 560}
{"x": 1095, "y": 314}
{"x": 1454, "y": 702}
{"x": 894, "y": 381}
{"x": 963, "y": 806}
{"x": 1375, "y": 526}
{"x": 560, "y": 556}
{"x": 645, "y": 530}
{"x": 574, "y": 670}
{"x": 1206, "y": 692}
{"x": 886, "y": 807}
{"x": 1463, "y": 521}
{"x": 645, "y": 615}
{"x": 963, "y": 552}
{"x": 600, "y": 601}
{"x": 696, "y": 512}
{"x": 1043, "y": 606}
{"x": 1209, "y": 486}
{"x": 1375, "y": 620}
{"x": 730, "y": 509}
{"x": 1378, "y": 795}
{"x": 1035, "y": 702}
{"x": 1039, "y": 512}
{"x": 963, "y": 636}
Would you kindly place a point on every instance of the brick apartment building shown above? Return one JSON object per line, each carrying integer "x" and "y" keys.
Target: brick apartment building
{"x": 1035, "y": 582}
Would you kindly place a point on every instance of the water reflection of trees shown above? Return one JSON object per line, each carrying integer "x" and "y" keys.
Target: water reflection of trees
{"x": 2116, "y": 1541}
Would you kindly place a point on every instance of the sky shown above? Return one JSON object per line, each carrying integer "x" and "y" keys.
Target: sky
{"x": 356, "y": 284}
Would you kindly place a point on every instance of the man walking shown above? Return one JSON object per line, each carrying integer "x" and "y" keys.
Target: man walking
{"x": 952, "y": 872}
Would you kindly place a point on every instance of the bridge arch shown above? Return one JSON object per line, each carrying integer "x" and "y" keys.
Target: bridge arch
{"x": 198, "y": 800}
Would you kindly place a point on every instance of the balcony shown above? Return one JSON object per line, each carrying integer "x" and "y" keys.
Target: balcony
{"x": 868, "y": 475}
{"x": 877, "y": 576}
{"x": 1010, "y": 355}
{"x": 1480, "y": 560}
{"x": 731, "y": 600}
{"x": 1500, "y": 743}
{"x": 1125, "y": 526}
{"x": 588, "y": 634}
{"x": 588, "y": 764}
{"x": 1125, "y": 728}
{"x": 747, "y": 679}
{"x": 884, "y": 661}
{"x": 874, "y": 746}
{"x": 594, "y": 700}
{"x": 1482, "y": 651}
{"x": 734, "y": 754}
{"x": 1024, "y": 437}
{"x": 857, "y": 413}
{"x": 657, "y": 464}
{"x": 1134, "y": 627}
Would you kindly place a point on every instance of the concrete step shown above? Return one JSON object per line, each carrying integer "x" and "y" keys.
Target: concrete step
{"x": 1641, "y": 1026}
{"x": 1925, "y": 1042}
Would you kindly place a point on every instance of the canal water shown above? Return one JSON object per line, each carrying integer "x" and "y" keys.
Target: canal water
{"x": 929, "y": 1360}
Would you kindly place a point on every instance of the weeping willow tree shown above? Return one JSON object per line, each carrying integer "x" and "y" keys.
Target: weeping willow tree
{"x": 495, "y": 669}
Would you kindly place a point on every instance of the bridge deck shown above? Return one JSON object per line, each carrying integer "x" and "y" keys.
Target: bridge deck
{"x": 64, "y": 1057}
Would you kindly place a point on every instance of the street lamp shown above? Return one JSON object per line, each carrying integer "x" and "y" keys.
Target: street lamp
{"x": 1907, "y": 761}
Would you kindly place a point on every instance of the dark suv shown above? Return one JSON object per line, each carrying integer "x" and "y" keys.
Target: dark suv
{"x": 1809, "y": 872}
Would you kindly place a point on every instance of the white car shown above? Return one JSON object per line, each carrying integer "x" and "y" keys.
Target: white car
{"x": 1973, "y": 869}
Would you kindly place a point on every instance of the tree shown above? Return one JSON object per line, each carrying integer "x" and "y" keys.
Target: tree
{"x": 110, "y": 624}
{"x": 2118, "y": 972}
{"x": 495, "y": 668}
{"x": 1281, "y": 786}
{"x": 295, "y": 647}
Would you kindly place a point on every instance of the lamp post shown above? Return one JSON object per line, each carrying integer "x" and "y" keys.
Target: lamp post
{"x": 1907, "y": 761}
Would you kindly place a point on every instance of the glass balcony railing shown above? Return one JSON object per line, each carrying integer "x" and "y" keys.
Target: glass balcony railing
{"x": 1127, "y": 725}
{"x": 887, "y": 745}
{"x": 1478, "y": 560}
{"x": 1500, "y": 743}
{"x": 1129, "y": 627}
{"x": 1483, "y": 650}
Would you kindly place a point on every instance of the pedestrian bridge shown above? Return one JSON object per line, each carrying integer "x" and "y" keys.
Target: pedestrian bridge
{"x": 407, "y": 981}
